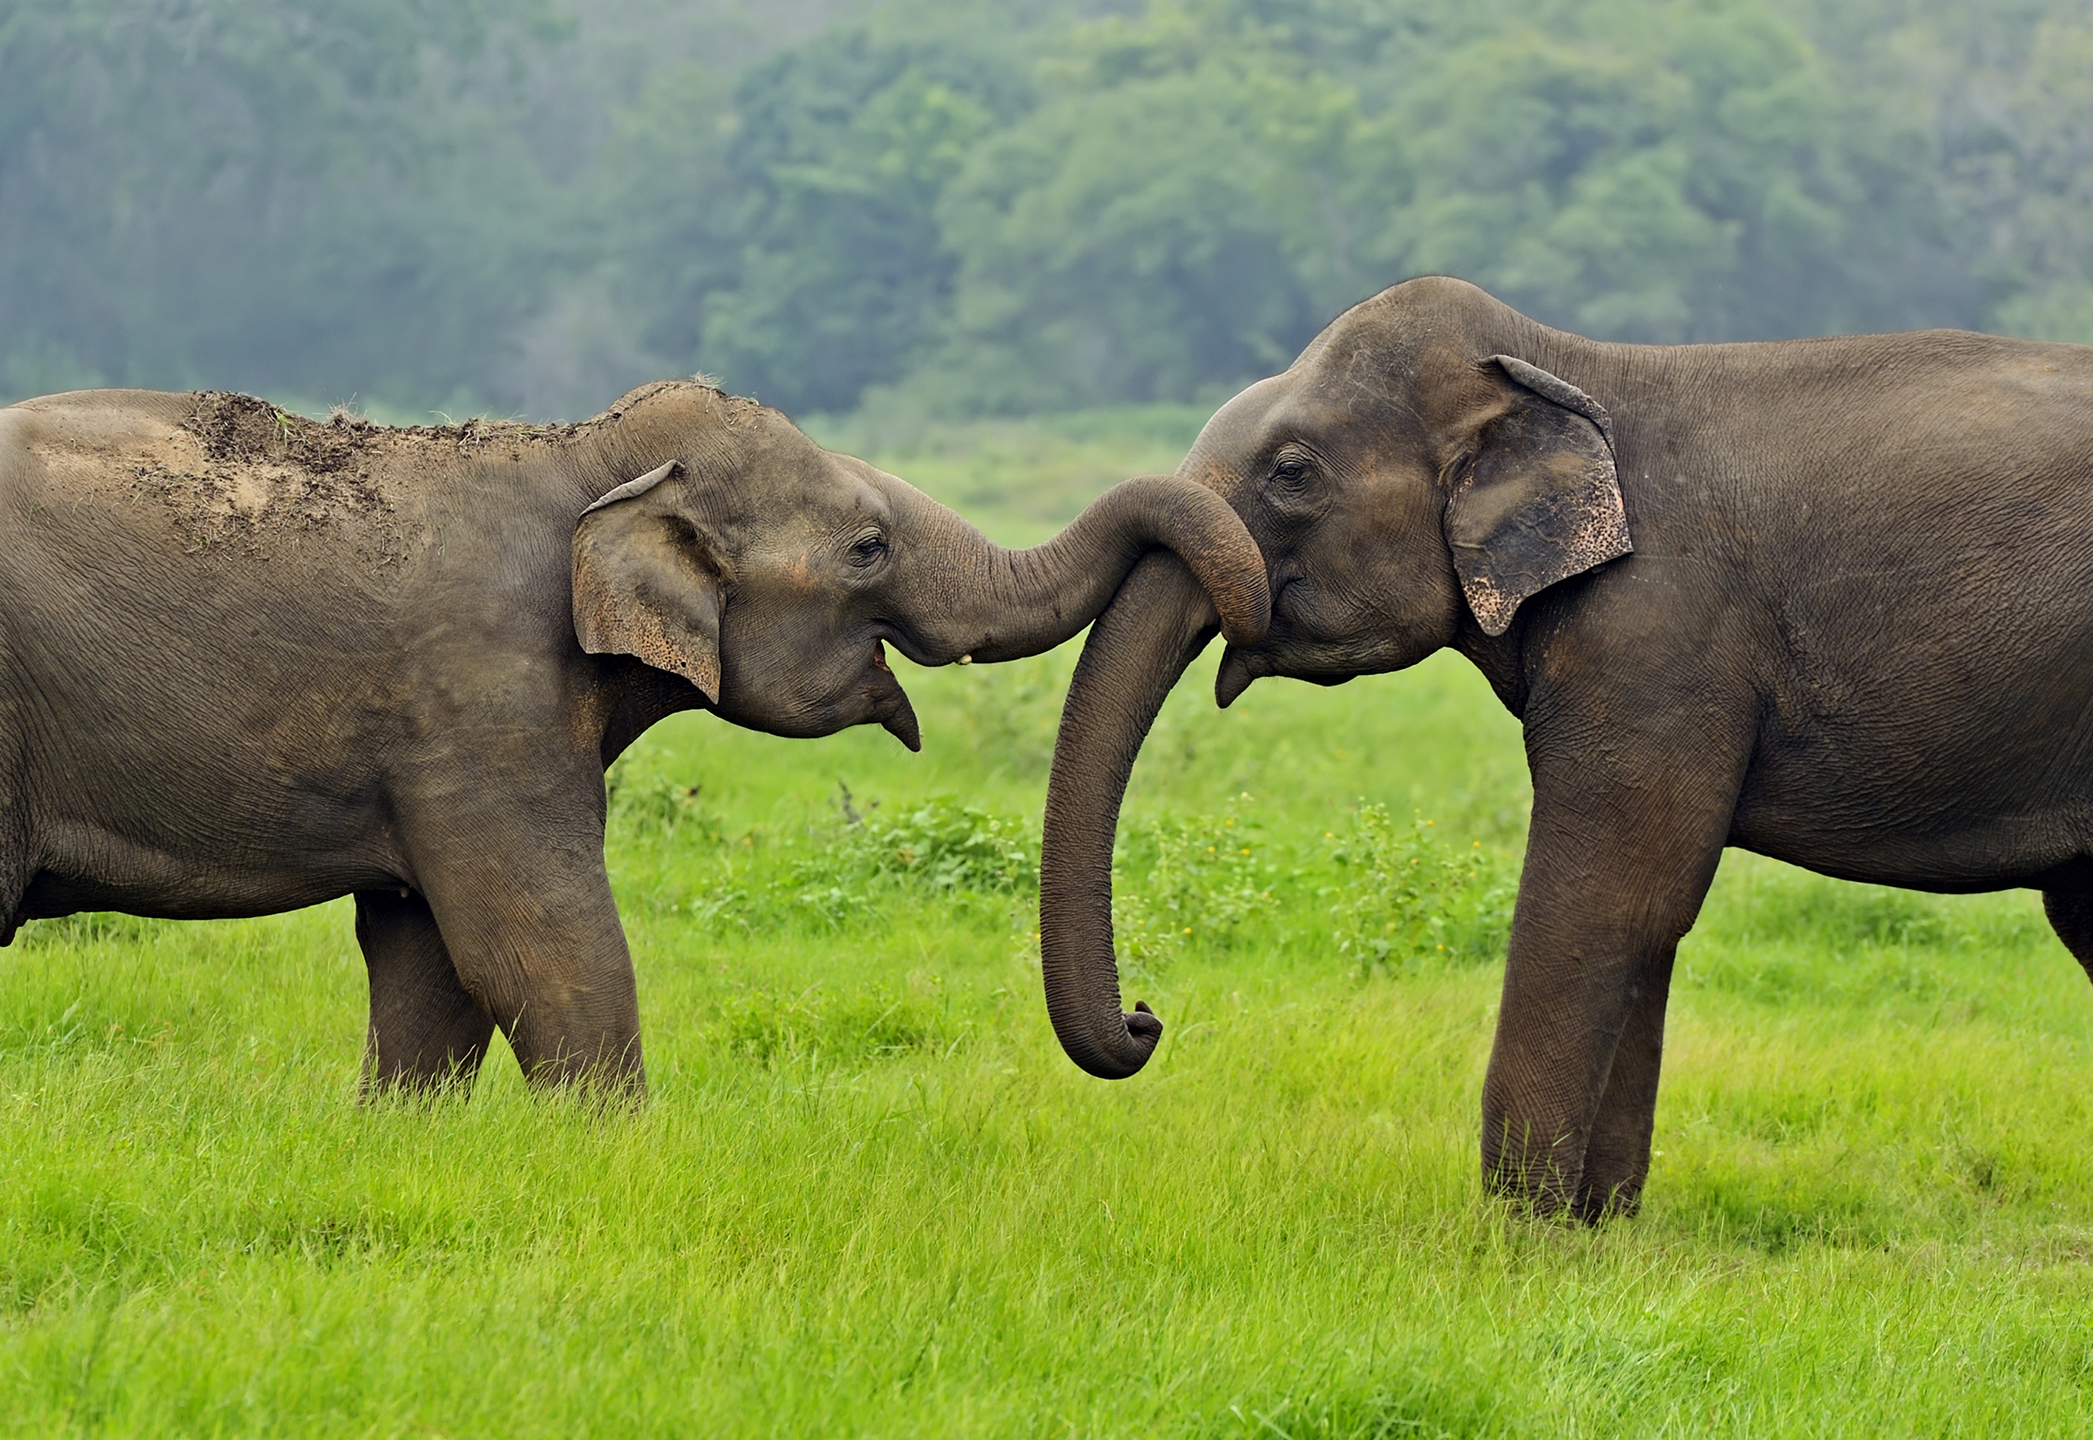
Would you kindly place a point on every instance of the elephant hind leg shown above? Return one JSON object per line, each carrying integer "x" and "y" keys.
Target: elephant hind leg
{"x": 426, "y": 1031}
{"x": 11, "y": 888}
{"x": 2071, "y": 916}
{"x": 14, "y": 879}
{"x": 15, "y": 869}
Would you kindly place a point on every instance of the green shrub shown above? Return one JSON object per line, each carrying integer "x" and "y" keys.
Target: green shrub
{"x": 1410, "y": 896}
{"x": 854, "y": 868}
{"x": 654, "y": 806}
{"x": 947, "y": 847}
{"x": 1177, "y": 879}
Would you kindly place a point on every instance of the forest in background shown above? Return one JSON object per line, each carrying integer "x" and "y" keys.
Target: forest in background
{"x": 953, "y": 208}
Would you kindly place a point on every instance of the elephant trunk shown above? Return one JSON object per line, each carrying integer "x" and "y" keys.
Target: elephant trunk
{"x": 1000, "y": 604}
{"x": 1159, "y": 621}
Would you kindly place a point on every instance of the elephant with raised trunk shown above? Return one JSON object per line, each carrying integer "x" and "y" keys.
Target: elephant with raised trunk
{"x": 1826, "y": 600}
{"x": 250, "y": 662}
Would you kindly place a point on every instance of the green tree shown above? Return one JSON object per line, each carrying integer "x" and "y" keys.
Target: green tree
{"x": 1654, "y": 172}
{"x": 237, "y": 192}
{"x": 2024, "y": 181}
{"x": 841, "y": 150}
{"x": 1039, "y": 203}
{"x": 1172, "y": 218}
{"x": 1207, "y": 186}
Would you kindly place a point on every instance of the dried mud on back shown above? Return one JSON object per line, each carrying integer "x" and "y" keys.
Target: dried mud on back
{"x": 243, "y": 473}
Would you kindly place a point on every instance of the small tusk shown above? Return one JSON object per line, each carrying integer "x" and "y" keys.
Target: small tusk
{"x": 966, "y": 659}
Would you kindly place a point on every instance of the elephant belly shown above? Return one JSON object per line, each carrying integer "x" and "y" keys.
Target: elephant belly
{"x": 1949, "y": 750}
{"x": 1925, "y": 823}
{"x": 91, "y": 867}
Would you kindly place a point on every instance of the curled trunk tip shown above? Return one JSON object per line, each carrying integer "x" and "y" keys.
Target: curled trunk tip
{"x": 1222, "y": 555}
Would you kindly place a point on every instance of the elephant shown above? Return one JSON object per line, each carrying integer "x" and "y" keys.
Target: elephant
{"x": 1827, "y": 600}
{"x": 250, "y": 662}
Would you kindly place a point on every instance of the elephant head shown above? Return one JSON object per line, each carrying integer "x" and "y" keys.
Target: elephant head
{"x": 1412, "y": 480}
{"x": 771, "y": 573}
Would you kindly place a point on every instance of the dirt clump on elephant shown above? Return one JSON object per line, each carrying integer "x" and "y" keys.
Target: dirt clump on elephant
{"x": 239, "y": 470}
{"x": 1826, "y": 600}
{"x": 251, "y": 661}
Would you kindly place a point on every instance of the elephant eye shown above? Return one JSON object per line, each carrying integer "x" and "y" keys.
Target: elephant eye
{"x": 867, "y": 550}
{"x": 1290, "y": 473}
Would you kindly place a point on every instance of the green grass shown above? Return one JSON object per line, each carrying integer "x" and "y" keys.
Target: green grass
{"x": 871, "y": 1198}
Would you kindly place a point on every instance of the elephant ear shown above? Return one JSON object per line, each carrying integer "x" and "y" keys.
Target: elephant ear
{"x": 645, "y": 583}
{"x": 1540, "y": 501}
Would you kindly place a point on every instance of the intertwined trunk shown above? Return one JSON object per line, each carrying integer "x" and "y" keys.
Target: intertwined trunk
{"x": 1159, "y": 621}
{"x": 988, "y": 603}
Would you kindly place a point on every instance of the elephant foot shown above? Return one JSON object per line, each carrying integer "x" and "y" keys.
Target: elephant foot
{"x": 1599, "y": 1187}
{"x": 435, "y": 1058}
{"x": 1619, "y": 1200}
{"x": 610, "y": 1073}
{"x": 1535, "y": 1186}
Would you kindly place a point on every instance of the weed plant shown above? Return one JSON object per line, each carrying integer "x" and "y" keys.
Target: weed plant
{"x": 870, "y": 1197}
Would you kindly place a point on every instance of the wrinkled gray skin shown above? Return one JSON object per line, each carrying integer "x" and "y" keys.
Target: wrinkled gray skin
{"x": 1854, "y": 632}
{"x": 250, "y": 663}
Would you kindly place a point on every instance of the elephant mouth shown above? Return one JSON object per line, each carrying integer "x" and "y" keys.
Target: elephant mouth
{"x": 1239, "y": 666}
{"x": 908, "y": 646}
{"x": 1238, "y": 669}
{"x": 1297, "y": 646}
{"x": 889, "y": 702}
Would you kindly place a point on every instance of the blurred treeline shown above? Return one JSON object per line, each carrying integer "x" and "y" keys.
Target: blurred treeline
{"x": 961, "y": 207}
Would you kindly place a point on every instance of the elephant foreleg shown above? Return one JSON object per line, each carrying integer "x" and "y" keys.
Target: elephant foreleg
{"x": 1617, "y": 1157}
{"x": 529, "y": 921}
{"x": 426, "y": 1030}
{"x": 1623, "y": 845}
{"x": 14, "y": 880}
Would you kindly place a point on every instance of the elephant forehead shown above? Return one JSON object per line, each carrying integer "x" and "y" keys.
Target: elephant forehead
{"x": 1277, "y": 410}
{"x": 796, "y": 513}
{"x": 1234, "y": 434}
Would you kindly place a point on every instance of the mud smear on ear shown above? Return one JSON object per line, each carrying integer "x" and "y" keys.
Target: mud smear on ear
{"x": 1233, "y": 678}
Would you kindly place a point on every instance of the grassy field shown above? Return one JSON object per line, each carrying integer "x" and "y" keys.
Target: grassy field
{"x": 870, "y": 1197}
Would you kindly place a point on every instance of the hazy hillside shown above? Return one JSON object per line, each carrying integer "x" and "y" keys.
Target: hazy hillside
{"x": 530, "y": 204}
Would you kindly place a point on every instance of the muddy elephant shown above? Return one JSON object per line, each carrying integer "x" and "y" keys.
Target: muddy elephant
{"x": 250, "y": 662}
{"x": 1826, "y": 600}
